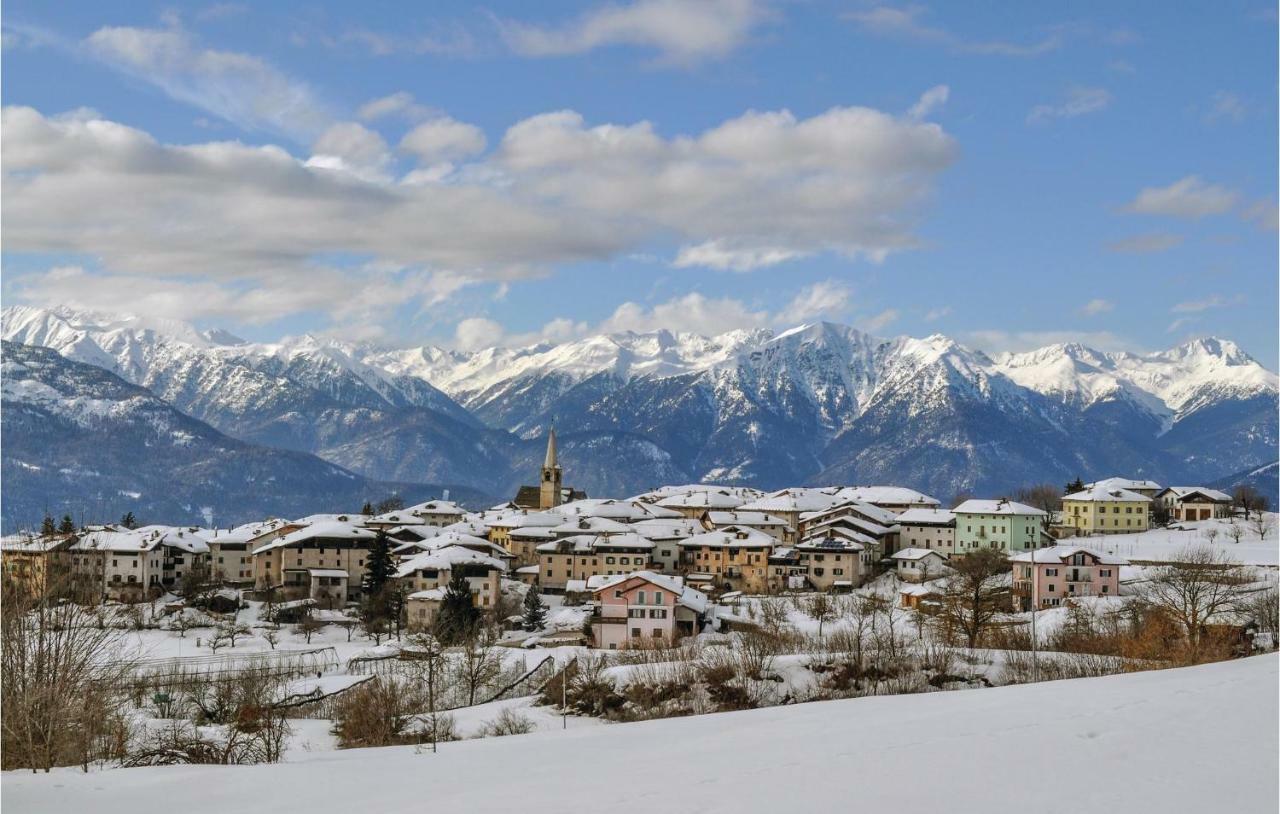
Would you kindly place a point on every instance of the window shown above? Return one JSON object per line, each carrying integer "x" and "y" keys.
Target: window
{"x": 635, "y": 632}
{"x": 657, "y": 597}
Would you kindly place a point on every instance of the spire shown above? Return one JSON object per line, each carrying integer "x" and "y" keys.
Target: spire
{"x": 550, "y": 462}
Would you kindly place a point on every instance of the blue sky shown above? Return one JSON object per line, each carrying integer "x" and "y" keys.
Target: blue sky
{"x": 1010, "y": 174}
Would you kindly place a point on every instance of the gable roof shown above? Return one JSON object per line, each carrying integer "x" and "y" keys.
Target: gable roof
{"x": 1060, "y": 553}
{"x": 1185, "y": 492}
{"x": 1007, "y": 507}
{"x": 1107, "y": 494}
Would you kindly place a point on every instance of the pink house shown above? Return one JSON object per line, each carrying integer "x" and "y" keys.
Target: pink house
{"x": 644, "y": 609}
{"x": 1048, "y": 577}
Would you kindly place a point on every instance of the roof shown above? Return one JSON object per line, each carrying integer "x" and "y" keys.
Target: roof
{"x": 744, "y": 518}
{"x": 1124, "y": 483}
{"x": 887, "y": 495}
{"x": 1007, "y": 507}
{"x": 1060, "y": 553}
{"x": 792, "y": 500}
{"x": 849, "y": 508}
{"x": 595, "y": 525}
{"x": 1184, "y": 492}
{"x": 730, "y": 537}
{"x": 718, "y": 499}
{"x": 927, "y": 517}
{"x": 830, "y": 544}
{"x": 327, "y": 572}
{"x": 694, "y": 600}
{"x": 443, "y": 559}
{"x": 1107, "y": 494}
{"x": 326, "y": 529}
{"x": 915, "y": 554}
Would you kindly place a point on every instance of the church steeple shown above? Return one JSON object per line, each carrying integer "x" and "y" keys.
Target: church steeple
{"x": 549, "y": 485}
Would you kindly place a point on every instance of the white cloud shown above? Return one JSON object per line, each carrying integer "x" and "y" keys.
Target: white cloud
{"x": 932, "y": 99}
{"x": 715, "y": 254}
{"x": 681, "y": 31}
{"x": 443, "y": 139}
{"x": 905, "y": 23}
{"x": 1078, "y": 102}
{"x": 1189, "y": 197}
{"x": 824, "y": 300}
{"x": 237, "y": 87}
{"x": 1264, "y": 214}
{"x": 1146, "y": 244}
{"x": 935, "y": 314}
{"x": 400, "y": 103}
{"x": 475, "y": 333}
{"x": 1097, "y": 306}
{"x": 1001, "y": 341}
{"x": 1204, "y": 304}
{"x": 759, "y": 189}
{"x": 355, "y": 144}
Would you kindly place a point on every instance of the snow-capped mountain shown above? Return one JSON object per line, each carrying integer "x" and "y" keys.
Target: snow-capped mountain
{"x": 817, "y": 403}
{"x": 79, "y": 440}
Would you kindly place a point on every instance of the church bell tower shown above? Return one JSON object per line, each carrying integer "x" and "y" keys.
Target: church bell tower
{"x": 549, "y": 488}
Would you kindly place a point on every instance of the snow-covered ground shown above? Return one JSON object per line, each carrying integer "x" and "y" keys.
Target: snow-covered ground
{"x": 1119, "y": 743}
{"x": 1166, "y": 544}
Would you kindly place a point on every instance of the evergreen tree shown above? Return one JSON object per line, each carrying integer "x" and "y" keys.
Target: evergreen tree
{"x": 67, "y": 526}
{"x": 47, "y": 528}
{"x": 535, "y": 613}
{"x": 458, "y": 617}
{"x": 128, "y": 521}
{"x": 1072, "y": 488}
{"x": 380, "y": 567}
{"x": 367, "y": 508}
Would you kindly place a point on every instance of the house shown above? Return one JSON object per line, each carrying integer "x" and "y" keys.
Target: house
{"x": 925, "y": 597}
{"x": 789, "y": 504}
{"x": 918, "y": 564}
{"x": 1106, "y": 510}
{"x": 550, "y": 491}
{"x": 231, "y": 550}
{"x": 831, "y": 563}
{"x": 35, "y": 566}
{"x": 1188, "y": 503}
{"x": 645, "y": 609}
{"x": 425, "y": 577}
{"x": 735, "y": 557}
{"x": 666, "y": 535}
{"x": 786, "y": 572}
{"x": 896, "y": 499}
{"x": 1001, "y": 524}
{"x": 696, "y": 504}
{"x": 865, "y": 520}
{"x": 134, "y": 564}
{"x": 328, "y": 545}
{"x": 583, "y": 556}
{"x": 1048, "y": 577}
{"x": 598, "y": 526}
{"x": 438, "y": 513}
{"x": 931, "y": 529}
{"x": 1149, "y": 488}
{"x": 772, "y": 525}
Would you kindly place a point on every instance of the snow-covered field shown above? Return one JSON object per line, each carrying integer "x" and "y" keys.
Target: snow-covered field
{"x": 1193, "y": 739}
{"x": 1166, "y": 544}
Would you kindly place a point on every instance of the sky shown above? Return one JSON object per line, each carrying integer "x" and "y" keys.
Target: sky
{"x": 1008, "y": 174}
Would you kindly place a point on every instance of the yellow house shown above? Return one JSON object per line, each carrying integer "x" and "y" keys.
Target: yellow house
{"x": 1106, "y": 510}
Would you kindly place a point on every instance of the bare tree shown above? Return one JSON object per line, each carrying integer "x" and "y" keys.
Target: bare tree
{"x": 481, "y": 663}
{"x": 820, "y": 608}
{"x": 1043, "y": 496}
{"x": 1247, "y": 499}
{"x": 1201, "y": 587}
{"x": 1235, "y": 531}
{"x": 1262, "y": 524}
{"x": 307, "y": 627}
{"x": 271, "y": 636}
{"x": 972, "y": 595}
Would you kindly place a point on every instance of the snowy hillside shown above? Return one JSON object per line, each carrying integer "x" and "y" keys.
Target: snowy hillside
{"x": 1098, "y": 744}
{"x": 817, "y": 403}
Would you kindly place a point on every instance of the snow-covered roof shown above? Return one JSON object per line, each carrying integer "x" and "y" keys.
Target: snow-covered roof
{"x": 926, "y": 517}
{"x": 915, "y": 554}
{"x": 850, "y": 508}
{"x": 717, "y": 499}
{"x": 590, "y": 525}
{"x": 1061, "y": 553}
{"x": 830, "y": 544}
{"x": 859, "y": 524}
{"x": 730, "y": 537}
{"x": 1184, "y": 492}
{"x": 739, "y": 517}
{"x": 444, "y": 559}
{"x": 1123, "y": 483}
{"x": 628, "y": 540}
{"x": 430, "y": 594}
{"x": 887, "y": 496}
{"x": 668, "y": 529}
{"x": 792, "y": 500}
{"x": 324, "y": 529}
{"x": 537, "y": 532}
{"x": 328, "y": 572}
{"x": 690, "y": 598}
{"x": 1007, "y": 507}
{"x": 1107, "y": 494}
{"x": 575, "y": 544}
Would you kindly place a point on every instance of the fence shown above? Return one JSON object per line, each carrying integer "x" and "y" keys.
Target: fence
{"x": 275, "y": 663}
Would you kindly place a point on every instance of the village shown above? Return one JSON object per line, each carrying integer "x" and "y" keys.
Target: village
{"x": 556, "y": 606}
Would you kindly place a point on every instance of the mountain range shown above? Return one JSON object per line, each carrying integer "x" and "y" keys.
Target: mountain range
{"x": 820, "y": 403}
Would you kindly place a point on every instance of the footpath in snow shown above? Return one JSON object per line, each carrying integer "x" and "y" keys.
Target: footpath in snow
{"x": 1187, "y": 740}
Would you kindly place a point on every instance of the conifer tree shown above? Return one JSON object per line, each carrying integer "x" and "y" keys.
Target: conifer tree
{"x": 47, "y": 528}
{"x": 458, "y": 617}
{"x": 128, "y": 521}
{"x": 380, "y": 567}
{"x": 535, "y": 613}
{"x": 67, "y": 526}
{"x": 367, "y": 508}
{"x": 1072, "y": 488}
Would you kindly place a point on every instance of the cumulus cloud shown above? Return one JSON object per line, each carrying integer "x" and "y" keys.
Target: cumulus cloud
{"x": 1189, "y": 197}
{"x": 475, "y": 333}
{"x": 906, "y": 23}
{"x": 1078, "y": 102}
{"x": 237, "y": 87}
{"x": 756, "y": 190}
{"x": 681, "y": 31}
{"x": 1146, "y": 244}
{"x": 443, "y": 139}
